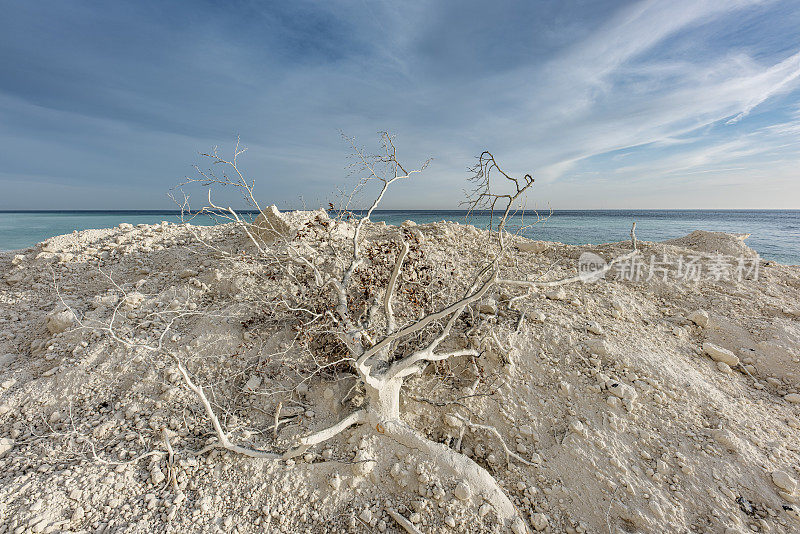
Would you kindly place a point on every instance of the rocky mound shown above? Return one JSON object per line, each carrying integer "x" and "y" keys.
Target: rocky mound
{"x": 715, "y": 243}
{"x": 631, "y": 404}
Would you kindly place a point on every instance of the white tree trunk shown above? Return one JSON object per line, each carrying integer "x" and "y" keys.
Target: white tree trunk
{"x": 383, "y": 415}
{"x": 482, "y": 485}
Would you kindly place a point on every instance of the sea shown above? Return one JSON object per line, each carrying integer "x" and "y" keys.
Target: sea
{"x": 774, "y": 234}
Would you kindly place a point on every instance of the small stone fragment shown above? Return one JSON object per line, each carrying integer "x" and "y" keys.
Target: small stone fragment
{"x": 718, "y": 354}
{"x": 462, "y": 491}
{"x": 594, "y": 327}
{"x": 700, "y": 318}
{"x": 794, "y": 398}
{"x": 784, "y": 481}
{"x": 60, "y": 321}
{"x": 556, "y": 294}
{"x": 539, "y": 521}
{"x": 6, "y": 444}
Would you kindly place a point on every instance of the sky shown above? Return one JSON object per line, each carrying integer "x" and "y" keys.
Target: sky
{"x": 609, "y": 104}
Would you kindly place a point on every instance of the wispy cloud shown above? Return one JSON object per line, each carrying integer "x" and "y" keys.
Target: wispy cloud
{"x": 592, "y": 98}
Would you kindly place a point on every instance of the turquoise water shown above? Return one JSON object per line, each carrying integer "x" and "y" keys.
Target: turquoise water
{"x": 775, "y": 234}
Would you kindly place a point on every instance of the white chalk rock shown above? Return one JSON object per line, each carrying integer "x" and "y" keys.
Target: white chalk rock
{"x": 556, "y": 294}
{"x": 700, "y": 318}
{"x": 452, "y": 420}
{"x": 488, "y": 306}
{"x": 538, "y": 316}
{"x": 718, "y": 354}
{"x": 269, "y": 225}
{"x": 539, "y": 521}
{"x": 794, "y": 398}
{"x": 726, "y": 438}
{"x": 784, "y": 481}
{"x": 620, "y": 390}
{"x": 363, "y": 464}
{"x": 252, "y": 384}
{"x": 133, "y": 300}
{"x": 518, "y": 526}
{"x": 60, "y": 321}
{"x": 365, "y": 515}
{"x": 6, "y": 444}
{"x": 594, "y": 327}
{"x": 533, "y": 246}
{"x": 462, "y": 491}
{"x": 598, "y": 346}
{"x": 724, "y": 367}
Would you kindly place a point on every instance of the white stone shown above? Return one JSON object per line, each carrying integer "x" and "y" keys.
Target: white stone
{"x": 462, "y": 491}
{"x": 518, "y": 526}
{"x": 6, "y": 444}
{"x": 533, "y": 246}
{"x": 784, "y": 481}
{"x": 365, "y": 515}
{"x": 269, "y": 225}
{"x": 794, "y": 398}
{"x": 488, "y": 306}
{"x": 556, "y": 294}
{"x": 700, "y": 318}
{"x": 539, "y": 521}
{"x": 724, "y": 367}
{"x": 252, "y": 384}
{"x": 719, "y": 354}
{"x": 623, "y": 391}
{"x": 594, "y": 327}
{"x": 60, "y": 321}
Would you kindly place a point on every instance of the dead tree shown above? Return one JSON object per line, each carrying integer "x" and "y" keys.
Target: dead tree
{"x": 383, "y": 348}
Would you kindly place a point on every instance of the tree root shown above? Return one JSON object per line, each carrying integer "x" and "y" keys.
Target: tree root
{"x": 481, "y": 483}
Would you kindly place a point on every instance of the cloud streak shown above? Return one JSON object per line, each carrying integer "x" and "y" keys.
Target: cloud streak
{"x": 590, "y": 98}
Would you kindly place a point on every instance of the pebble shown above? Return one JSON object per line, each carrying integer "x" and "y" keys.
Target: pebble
{"x": 157, "y": 476}
{"x": 594, "y": 327}
{"x": 462, "y": 491}
{"x": 488, "y": 306}
{"x": 365, "y": 515}
{"x": 538, "y": 316}
{"x": 794, "y": 398}
{"x": 60, "y": 321}
{"x": 623, "y": 391}
{"x": 718, "y": 354}
{"x": 539, "y": 521}
{"x": 724, "y": 367}
{"x": 556, "y": 294}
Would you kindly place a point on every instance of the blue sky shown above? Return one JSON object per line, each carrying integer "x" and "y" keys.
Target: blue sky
{"x": 650, "y": 104}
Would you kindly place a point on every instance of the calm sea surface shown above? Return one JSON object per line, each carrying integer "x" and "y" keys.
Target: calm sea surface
{"x": 775, "y": 234}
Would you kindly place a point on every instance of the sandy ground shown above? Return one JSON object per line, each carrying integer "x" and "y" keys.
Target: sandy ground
{"x": 658, "y": 404}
